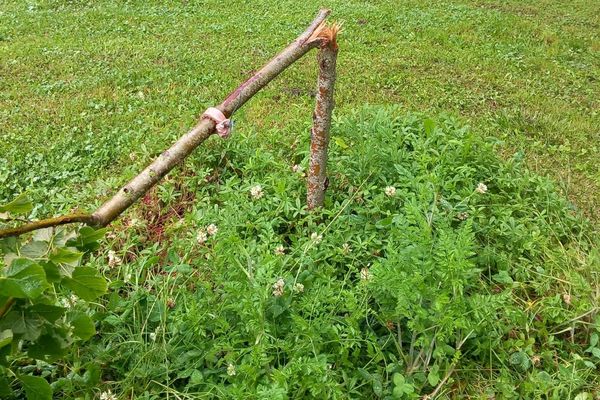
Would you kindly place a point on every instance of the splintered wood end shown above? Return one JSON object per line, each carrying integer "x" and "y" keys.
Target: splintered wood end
{"x": 327, "y": 33}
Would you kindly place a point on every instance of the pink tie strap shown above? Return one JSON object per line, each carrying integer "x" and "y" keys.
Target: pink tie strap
{"x": 223, "y": 124}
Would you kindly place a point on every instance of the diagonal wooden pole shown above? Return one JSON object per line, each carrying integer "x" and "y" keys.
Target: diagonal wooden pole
{"x": 138, "y": 186}
{"x": 317, "y": 182}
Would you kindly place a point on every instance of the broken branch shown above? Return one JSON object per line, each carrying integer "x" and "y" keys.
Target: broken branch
{"x": 319, "y": 139}
{"x": 150, "y": 176}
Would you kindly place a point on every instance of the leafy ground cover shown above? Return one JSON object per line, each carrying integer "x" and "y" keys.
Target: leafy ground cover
{"x": 435, "y": 264}
{"x": 414, "y": 277}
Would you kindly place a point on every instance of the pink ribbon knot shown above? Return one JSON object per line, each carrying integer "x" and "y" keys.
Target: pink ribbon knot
{"x": 223, "y": 124}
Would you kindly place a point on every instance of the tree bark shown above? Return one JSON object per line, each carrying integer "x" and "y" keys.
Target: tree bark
{"x": 317, "y": 181}
{"x": 46, "y": 223}
{"x": 139, "y": 185}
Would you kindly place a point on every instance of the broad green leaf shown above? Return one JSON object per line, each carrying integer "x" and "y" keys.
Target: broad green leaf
{"x": 43, "y": 235}
{"x": 28, "y": 282}
{"x": 20, "y": 205}
{"x": 277, "y": 310}
{"x": 17, "y": 265}
{"x": 6, "y": 337}
{"x": 340, "y": 142}
{"x": 196, "y": 378}
{"x": 62, "y": 235}
{"x": 34, "y": 249}
{"x": 596, "y": 352}
{"x": 4, "y": 353}
{"x": 53, "y": 272}
{"x": 65, "y": 255}
{"x": 83, "y": 326}
{"x": 520, "y": 359}
{"x": 364, "y": 374}
{"x": 92, "y": 374}
{"x": 157, "y": 312}
{"x": 408, "y": 388}
{"x": 48, "y": 312}
{"x": 543, "y": 376}
{"x": 594, "y": 340}
{"x": 87, "y": 240}
{"x": 65, "y": 270}
{"x": 398, "y": 392}
{"x": 398, "y": 379}
{"x": 36, "y": 388}
{"x": 85, "y": 283}
{"x": 9, "y": 245}
{"x": 382, "y": 223}
{"x": 8, "y": 259}
{"x": 377, "y": 386}
{"x": 433, "y": 377}
{"x": 89, "y": 234}
{"x": 22, "y": 323}
{"x": 48, "y": 347}
{"x": 112, "y": 320}
{"x": 503, "y": 277}
{"x": 5, "y": 390}
{"x": 401, "y": 387}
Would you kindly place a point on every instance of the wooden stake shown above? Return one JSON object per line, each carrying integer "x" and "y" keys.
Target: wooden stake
{"x": 317, "y": 182}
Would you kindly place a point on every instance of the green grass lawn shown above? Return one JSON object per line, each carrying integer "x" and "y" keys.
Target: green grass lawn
{"x": 414, "y": 279}
{"x": 82, "y": 86}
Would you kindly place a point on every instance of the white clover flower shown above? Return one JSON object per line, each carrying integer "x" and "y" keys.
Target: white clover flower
{"x": 231, "y": 369}
{"x": 462, "y": 216}
{"x": 280, "y": 250}
{"x": 108, "y": 395}
{"x": 278, "y": 287}
{"x": 297, "y": 169}
{"x": 171, "y": 303}
{"x": 153, "y": 336}
{"x": 316, "y": 238}
{"x": 256, "y": 192}
{"x": 481, "y": 188}
{"x": 390, "y": 191}
{"x": 68, "y": 302}
{"x": 365, "y": 274}
{"x": 132, "y": 156}
{"x": 298, "y": 288}
{"x": 346, "y": 249}
{"x": 113, "y": 259}
{"x": 212, "y": 229}
{"x": 567, "y": 298}
{"x": 201, "y": 237}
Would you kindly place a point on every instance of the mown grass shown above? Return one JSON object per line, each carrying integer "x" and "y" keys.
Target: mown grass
{"x": 84, "y": 85}
{"x": 498, "y": 290}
